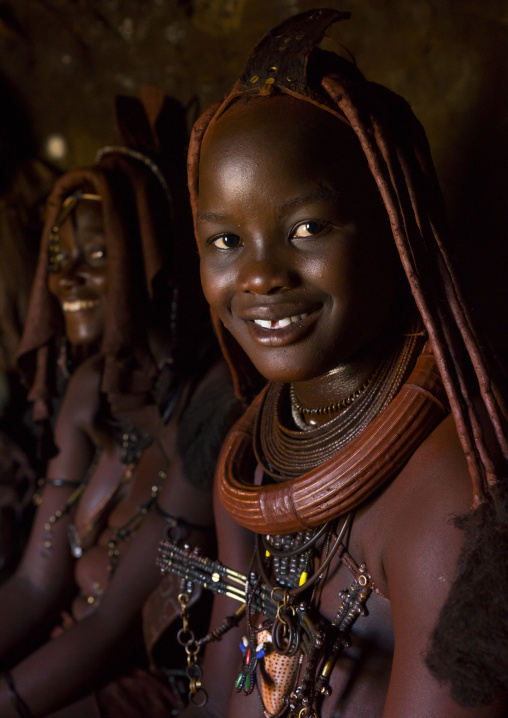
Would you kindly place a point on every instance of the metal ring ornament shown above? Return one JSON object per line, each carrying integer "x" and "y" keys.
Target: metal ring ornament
{"x": 194, "y": 672}
{"x": 192, "y": 647}
{"x": 181, "y": 640}
{"x": 290, "y": 644}
{"x": 196, "y": 701}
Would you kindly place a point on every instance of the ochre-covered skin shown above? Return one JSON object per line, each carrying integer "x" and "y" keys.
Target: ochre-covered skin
{"x": 96, "y": 641}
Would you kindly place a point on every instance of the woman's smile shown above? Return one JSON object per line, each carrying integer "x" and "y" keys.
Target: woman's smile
{"x": 278, "y": 323}
{"x": 78, "y": 305}
{"x": 297, "y": 258}
{"x": 79, "y": 278}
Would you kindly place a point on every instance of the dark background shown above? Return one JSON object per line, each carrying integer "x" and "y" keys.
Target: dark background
{"x": 63, "y": 61}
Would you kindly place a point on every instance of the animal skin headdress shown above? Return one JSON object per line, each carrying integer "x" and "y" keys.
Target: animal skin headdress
{"x": 288, "y": 60}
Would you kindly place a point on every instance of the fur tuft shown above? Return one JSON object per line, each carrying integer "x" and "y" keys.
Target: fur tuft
{"x": 469, "y": 648}
{"x": 202, "y": 430}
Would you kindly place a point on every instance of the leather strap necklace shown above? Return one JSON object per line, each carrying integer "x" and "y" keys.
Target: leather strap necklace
{"x": 343, "y": 481}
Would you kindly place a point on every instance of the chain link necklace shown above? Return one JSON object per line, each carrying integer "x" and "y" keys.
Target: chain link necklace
{"x": 298, "y": 410}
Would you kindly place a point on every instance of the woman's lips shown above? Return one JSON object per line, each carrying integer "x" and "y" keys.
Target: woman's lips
{"x": 77, "y": 305}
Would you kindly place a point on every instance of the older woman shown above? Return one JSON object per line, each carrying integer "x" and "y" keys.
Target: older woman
{"x": 126, "y": 465}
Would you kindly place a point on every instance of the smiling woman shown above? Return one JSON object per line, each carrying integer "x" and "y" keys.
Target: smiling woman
{"x": 100, "y": 230}
{"x": 136, "y": 436}
{"x": 311, "y": 277}
{"x": 323, "y": 249}
{"x": 78, "y": 267}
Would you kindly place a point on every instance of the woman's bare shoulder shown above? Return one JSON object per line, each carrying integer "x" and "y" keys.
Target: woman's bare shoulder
{"x": 419, "y": 543}
{"x": 408, "y": 529}
{"x": 436, "y": 481}
{"x": 82, "y": 399}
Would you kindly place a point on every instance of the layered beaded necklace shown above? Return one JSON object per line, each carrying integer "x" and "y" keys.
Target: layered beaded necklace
{"x": 286, "y": 446}
{"x": 297, "y": 639}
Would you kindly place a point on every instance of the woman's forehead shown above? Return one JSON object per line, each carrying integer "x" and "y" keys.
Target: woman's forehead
{"x": 282, "y": 132}
{"x": 86, "y": 215}
{"x": 278, "y": 113}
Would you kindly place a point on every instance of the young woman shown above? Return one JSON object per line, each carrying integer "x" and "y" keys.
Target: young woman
{"x": 336, "y": 491}
{"x": 124, "y": 470}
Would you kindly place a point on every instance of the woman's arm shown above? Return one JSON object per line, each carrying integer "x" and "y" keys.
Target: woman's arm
{"x": 222, "y": 658}
{"x": 86, "y": 648}
{"x": 33, "y": 597}
{"x": 419, "y": 557}
{"x": 65, "y": 668}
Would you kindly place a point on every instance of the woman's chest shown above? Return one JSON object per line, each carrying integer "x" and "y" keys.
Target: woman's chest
{"x": 112, "y": 509}
{"x": 116, "y": 492}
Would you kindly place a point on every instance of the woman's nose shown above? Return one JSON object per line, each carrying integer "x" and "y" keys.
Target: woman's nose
{"x": 266, "y": 270}
{"x": 74, "y": 274}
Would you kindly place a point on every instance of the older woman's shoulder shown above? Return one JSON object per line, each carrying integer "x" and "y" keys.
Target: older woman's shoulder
{"x": 82, "y": 399}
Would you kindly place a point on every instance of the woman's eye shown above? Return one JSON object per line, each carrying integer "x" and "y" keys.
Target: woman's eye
{"x": 97, "y": 254}
{"x": 57, "y": 261}
{"x": 226, "y": 241}
{"x": 309, "y": 229}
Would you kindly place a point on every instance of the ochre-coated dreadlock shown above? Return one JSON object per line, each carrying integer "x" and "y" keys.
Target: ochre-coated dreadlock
{"x": 289, "y": 61}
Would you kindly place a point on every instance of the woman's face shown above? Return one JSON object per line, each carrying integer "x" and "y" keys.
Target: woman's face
{"x": 297, "y": 258}
{"x": 79, "y": 279}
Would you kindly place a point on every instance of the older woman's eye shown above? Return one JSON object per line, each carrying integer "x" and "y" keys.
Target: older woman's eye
{"x": 97, "y": 254}
{"x": 226, "y": 241}
{"x": 57, "y": 260}
{"x": 311, "y": 228}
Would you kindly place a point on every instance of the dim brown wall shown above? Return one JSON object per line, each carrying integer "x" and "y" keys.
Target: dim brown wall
{"x": 68, "y": 58}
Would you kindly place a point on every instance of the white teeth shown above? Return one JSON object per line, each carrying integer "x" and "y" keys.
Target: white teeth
{"x": 279, "y": 323}
{"x": 78, "y": 305}
{"x": 263, "y": 323}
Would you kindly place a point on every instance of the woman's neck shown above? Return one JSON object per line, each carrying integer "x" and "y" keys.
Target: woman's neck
{"x": 321, "y": 398}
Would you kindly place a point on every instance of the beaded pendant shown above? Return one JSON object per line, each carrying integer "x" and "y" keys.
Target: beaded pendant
{"x": 251, "y": 654}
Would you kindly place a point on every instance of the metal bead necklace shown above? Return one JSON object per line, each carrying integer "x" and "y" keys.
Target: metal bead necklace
{"x": 298, "y": 408}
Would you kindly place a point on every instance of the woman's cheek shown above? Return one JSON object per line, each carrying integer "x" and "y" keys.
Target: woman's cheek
{"x": 214, "y": 286}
